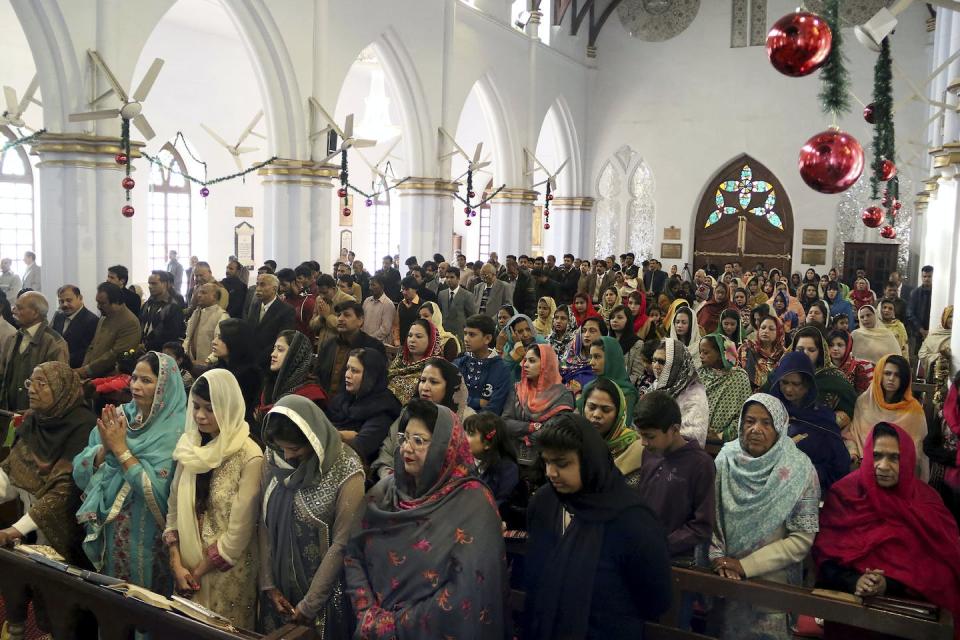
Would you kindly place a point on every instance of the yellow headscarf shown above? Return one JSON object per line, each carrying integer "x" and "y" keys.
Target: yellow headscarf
{"x": 545, "y": 328}
{"x": 437, "y": 320}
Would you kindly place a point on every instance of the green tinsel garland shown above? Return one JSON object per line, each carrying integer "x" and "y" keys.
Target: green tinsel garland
{"x": 835, "y": 95}
{"x": 883, "y": 135}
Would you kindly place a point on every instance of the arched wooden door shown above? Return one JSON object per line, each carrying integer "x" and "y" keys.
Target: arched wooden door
{"x": 744, "y": 215}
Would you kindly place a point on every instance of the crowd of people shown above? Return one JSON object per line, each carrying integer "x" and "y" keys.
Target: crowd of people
{"x": 349, "y": 450}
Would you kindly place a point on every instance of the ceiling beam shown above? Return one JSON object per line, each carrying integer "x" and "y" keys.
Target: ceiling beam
{"x": 582, "y": 10}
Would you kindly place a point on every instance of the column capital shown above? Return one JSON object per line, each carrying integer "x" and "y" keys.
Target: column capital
{"x": 81, "y": 150}
{"x": 517, "y": 194}
{"x": 420, "y": 186}
{"x": 948, "y": 154}
{"x": 304, "y": 173}
{"x": 573, "y": 204}
{"x": 921, "y": 203}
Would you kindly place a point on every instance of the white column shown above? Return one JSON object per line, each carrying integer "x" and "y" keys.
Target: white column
{"x": 427, "y": 219}
{"x": 299, "y": 216}
{"x": 511, "y": 221}
{"x": 942, "y": 232}
{"x": 951, "y": 123}
{"x": 569, "y": 226}
{"x": 82, "y": 229}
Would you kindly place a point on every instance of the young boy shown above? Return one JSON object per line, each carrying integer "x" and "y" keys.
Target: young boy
{"x": 487, "y": 376}
{"x": 676, "y": 478}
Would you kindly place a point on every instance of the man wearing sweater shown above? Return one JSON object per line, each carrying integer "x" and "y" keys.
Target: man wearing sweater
{"x": 488, "y": 377}
{"x": 117, "y": 332}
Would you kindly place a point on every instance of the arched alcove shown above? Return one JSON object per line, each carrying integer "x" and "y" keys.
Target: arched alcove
{"x": 625, "y": 214}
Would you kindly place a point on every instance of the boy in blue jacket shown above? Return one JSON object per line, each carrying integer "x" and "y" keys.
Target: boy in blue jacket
{"x": 487, "y": 376}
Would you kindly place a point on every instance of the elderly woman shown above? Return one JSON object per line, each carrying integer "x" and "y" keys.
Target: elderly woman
{"x": 212, "y": 510}
{"x": 38, "y": 469}
{"x": 312, "y": 495}
{"x": 767, "y": 501}
{"x": 421, "y": 344}
{"x": 427, "y": 560}
{"x": 125, "y": 473}
{"x": 677, "y": 375}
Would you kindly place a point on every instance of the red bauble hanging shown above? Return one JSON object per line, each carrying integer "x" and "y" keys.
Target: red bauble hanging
{"x": 870, "y": 113}
{"x": 468, "y": 222}
{"x": 341, "y": 193}
{"x": 466, "y": 210}
{"x": 128, "y": 183}
{"x": 831, "y": 161}
{"x": 471, "y": 194}
{"x": 798, "y": 44}
{"x": 897, "y": 205}
{"x": 121, "y": 158}
{"x": 546, "y": 225}
{"x": 888, "y": 232}
{"x": 872, "y": 217}
{"x": 549, "y": 196}
{"x": 346, "y": 212}
{"x": 127, "y": 211}
{"x": 887, "y": 170}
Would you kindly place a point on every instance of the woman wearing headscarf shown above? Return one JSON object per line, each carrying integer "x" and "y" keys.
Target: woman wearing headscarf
{"x": 212, "y": 510}
{"x": 813, "y": 425}
{"x": 125, "y": 474}
{"x": 883, "y": 531}
{"x": 837, "y": 304}
{"x": 767, "y": 503}
{"x": 538, "y": 396}
{"x": 520, "y": 334}
{"x": 312, "y": 496}
{"x": 608, "y": 301}
{"x": 563, "y": 331}
{"x": 888, "y": 319}
{"x": 818, "y": 315}
{"x": 677, "y": 375}
{"x": 504, "y": 314}
{"x": 427, "y": 560}
{"x": 606, "y": 359}
{"x": 364, "y": 408}
{"x": 871, "y": 340}
{"x": 637, "y": 303}
{"x": 834, "y": 391}
{"x": 727, "y": 385}
{"x": 858, "y": 372}
{"x": 761, "y": 354}
{"x": 889, "y": 399}
{"x": 684, "y": 329}
{"x": 780, "y": 303}
{"x": 810, "y": 295}
{"x": 756, "y": 295}
{"x": 38, "y": 468}
{"x": 708, "y": 316}
{"x": 936, "y": 340}
{"x": 449, "y": 344}
{"x": 234, "y": 349}
{"x": 291, "y": 362}
{"x": 597, "y": 564}
{"x": 583, "y": 308}
{"x": 621, "y": 328}
{"x": 605, "y": 406}
{"x": 671, "y": 312}
{"x": 543, "y": 324}
{"x": 575, "y": 368}
{"x": 862, "y": 295}
{"x": 422, "y": 343}
{"x": 731, "y": 327}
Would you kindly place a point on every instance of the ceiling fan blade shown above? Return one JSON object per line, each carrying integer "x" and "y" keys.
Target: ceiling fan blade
{"x": 560, "y": 168}
{"x": 366, "y": 161}
{"x": 322, "y": 132}
{"x": 326, "y": 116}
{"x": 10, "y": 95}
{"x": 111, "y": 79}
{"x": 94, "y": 115}
{"x": 348, "y": 127}
{"x": 249, "y": 129}
{"x": 140, "y": 122}
{"x": 480, "y": 165}
{"x": 363, "y": 142}
{"x": 477, "y": 152}
{"x": 214, "y": 135}
{"x": 236, "y": 158}
{"x": 553, "y": 183}
{"x": 390, "y": 149}
{"x": 245, "y": 149}
{"x": 147, "y": 82}
{"x": 330, "y": 156}
{"x": 28, "y": 95}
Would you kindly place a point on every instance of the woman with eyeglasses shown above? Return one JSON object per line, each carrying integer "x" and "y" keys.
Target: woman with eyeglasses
{"x": 427, "y": 560}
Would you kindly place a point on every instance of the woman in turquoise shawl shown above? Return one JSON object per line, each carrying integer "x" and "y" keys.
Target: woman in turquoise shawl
{"x": 125, "y": 474}
{"x": 606, "y": 359}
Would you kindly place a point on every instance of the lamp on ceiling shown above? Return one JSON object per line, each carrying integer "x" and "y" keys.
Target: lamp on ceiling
{"x": 522, "y": 19}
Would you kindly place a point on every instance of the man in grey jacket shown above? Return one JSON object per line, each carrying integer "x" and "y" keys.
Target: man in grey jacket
{"x": 456, "y": 303}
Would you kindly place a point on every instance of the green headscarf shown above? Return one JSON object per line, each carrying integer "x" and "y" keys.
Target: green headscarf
{"x": 615, "y": 370}
{"x": 620, "y": 436}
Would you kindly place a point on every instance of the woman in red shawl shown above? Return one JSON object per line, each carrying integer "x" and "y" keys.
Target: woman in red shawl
{"x": 858, "y": 372}
{"x": 862, "y": 294}
{"x": 637, "y": 303}
{"x": 583, "y": 308}
{"x": 708, "y": 316}
{"x": 880, "y": 524}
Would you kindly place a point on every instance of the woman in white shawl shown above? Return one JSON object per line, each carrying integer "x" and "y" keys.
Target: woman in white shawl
{"x": 684, "y": 328}
{"x": 677, "y": 375}
{"x": 213, "y": 554}
{"x": 936, "y": 339}
{"x": 872, "y": 340}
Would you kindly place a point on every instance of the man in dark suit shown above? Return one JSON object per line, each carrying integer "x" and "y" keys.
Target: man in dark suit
{"x": 236, "y": 288}
{"x": 654, "y": 280}
{"x": 332, "y": 359}
{"x": 598, "y": 281}
{"x": 75, "y": 323}
{"x": 568, "y": 276}
{"x": 118, "y": 275}
{"x": 391, "y": 278}
{"x": 269, "y": 318}
{"x": 456, "y": 303}
{"x": 490, "y": 293}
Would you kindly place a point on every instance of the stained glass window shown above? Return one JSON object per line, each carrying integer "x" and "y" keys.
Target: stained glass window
{"x": 169, "y": 218}
{"x": 16, "y": 201}
{"x": 745, "y": 190}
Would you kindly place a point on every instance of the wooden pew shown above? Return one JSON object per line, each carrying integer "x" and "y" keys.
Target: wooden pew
{"x": 67, "y": 596}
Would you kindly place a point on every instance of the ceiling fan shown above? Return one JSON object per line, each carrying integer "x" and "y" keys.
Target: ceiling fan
{"x": 13, "y": 114}
{"x": 474, "y": 163}
{"x": 551, "y": 179}
{"x": 235, "y": 150}
{"x": 384, "y": 161}
{"x": 347, "y": 139}
{"x": 132, "y": 107}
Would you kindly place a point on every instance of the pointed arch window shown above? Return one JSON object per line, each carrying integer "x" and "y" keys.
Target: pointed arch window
{"x": 170, "y": 216}
{"x": 16, "y": 200}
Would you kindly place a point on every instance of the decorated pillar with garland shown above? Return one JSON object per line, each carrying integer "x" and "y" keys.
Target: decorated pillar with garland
{"x": 511, "y": 221}
{"x": 299, "y": 212}
{"x": 426, "y": 217}
{"x": 81, "y": 229}
{"x": 571, "y": 222}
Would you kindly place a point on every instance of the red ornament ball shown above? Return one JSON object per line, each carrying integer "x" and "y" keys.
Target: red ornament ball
{"x": 870, "y": 113}
{"x": 466, "y": 210}
{"x": 471, "y": 194}
{"x": 888, "y": 232}
{"x": 346, "y": 212}
{"x": 341, "y": 193}
{"x": 468, "y": 222}
{"x": 204, "y": 192}
{"x": 887, "y": 169}
{"x": 546, "y": 225}
{"x": 128, "y": 183}
{"x": 897, "y": 205}
{"x": 799, "y": 43}
{"x": 831, "y": 161}
{"x": 872, "y": 217}
{"x": 549, "y": 196}
{"x": 121, "y": 158}
{"x": 127, "y": 211}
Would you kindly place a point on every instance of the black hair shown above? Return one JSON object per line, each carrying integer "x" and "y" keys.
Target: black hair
{"x": 237, "y": 335}
{"x": 201, "y": 389}
{"x": 120, "y": 271}
{"x": 563, "y": 432}
{"x": 650, "y": 347}
{"x": 351, "y": 305}
{"x": 411, "y": 260}
{"x": 484, "y": 324}
{"x": 429, "y": 264}
{"x": 152, "y": 361}
{"x": 314, "y": 265}
{"x": 424, "y": 410}
{"x": 451, "y": 379}
{"x": 326, "y": 281}
{"x": 438, "y": 258}
{"x": 69, "y": 287}
{"x": 816, "y": 335}
{"x": 271, "y": 263}
{"x": 286, "y": 275}
{"x": 903, "y": 368}
{"x": 838, "y": 333}
{"x": 346, "y": 278}
{"x": 763, "y": 310}
{"x": 563, "y": 308}
{"x": 277, "y": 426}
{"x": 127, "y": 361}
{"x": 451, "y": 270}
{"x": 656, "y": 410}
{"x": 409, "y": 283}
{"x": 176, "y": 347}
{"x": 927, "y": 269}
{"x": 377, "y": 279}
{"x": 302, "y": 270}
{"x": 492, "y": 430}
{"x": 687, "y": 311}
{"x": 113, "y": 292}
{"x": 600, "y": 323}
{"x": 607, "y": 386}
{"x": 884, "y": 429}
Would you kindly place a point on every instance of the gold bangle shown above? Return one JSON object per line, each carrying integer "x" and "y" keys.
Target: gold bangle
{"x": 123, "y": 457}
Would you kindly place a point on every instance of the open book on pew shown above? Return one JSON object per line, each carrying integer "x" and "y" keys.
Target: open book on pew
{"x": 48, "y": 557}
{"x": 175, "y": 603}
{"x": 903, "y": 606}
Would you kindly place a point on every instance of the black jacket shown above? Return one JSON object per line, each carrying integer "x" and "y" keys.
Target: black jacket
{"x": 132, "y": 300}
{"x": 324, "y": 371}
{"x": 238, "y": 295}
{"x": 161, "y": 321}
{"x": 280, "y": 316}
{"x": 569, "y": 281}
{"x": 79, "y": 333}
